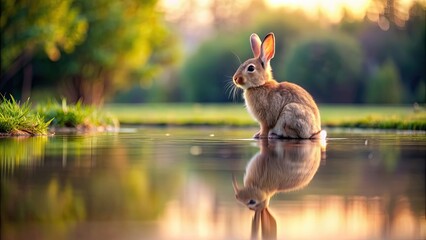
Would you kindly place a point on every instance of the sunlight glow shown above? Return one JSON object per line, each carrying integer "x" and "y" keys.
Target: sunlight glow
{"x": 334, "y": 10}
{"x": 331, "y": 9}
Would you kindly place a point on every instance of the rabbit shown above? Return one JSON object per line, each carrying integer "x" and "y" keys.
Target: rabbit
{"x": 283, "y": 110}
{"x": 278, "y": 167}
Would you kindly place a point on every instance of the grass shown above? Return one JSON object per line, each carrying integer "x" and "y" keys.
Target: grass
{"x": 374, "y": 116}
{"x": 77, "y": 116}
{"x": 359, "y": 116}
{"x": 21, "y": 119}
{"x": 18, "y": 119}
{"x": 181, "y": 114}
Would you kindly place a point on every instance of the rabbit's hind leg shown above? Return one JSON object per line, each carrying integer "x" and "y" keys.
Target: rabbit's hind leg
{"x": 295, "y": 122}
{"x": 279, "y": 130}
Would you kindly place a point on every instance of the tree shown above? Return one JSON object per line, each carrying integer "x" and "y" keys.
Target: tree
{"x": 28, "y": 26}
{"x": 413, "y": 71}
{"x": 404, "y": 45}
{"x": 109, "y": 45}
{"x": 205, "y": 74}
{"x": 327, "y": 66}
{"x": 385, "y": 86}
{"x": 127, "y": 42}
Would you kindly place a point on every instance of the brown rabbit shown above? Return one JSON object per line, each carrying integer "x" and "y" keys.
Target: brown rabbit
{"x": 283, "y": 110}
{"x": 278, "y": 167}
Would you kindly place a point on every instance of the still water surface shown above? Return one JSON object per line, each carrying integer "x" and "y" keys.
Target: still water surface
{"x": 177, "y": 183}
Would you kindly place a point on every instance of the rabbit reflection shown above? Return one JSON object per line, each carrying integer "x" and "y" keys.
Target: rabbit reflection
{"x": 280, "y": 166}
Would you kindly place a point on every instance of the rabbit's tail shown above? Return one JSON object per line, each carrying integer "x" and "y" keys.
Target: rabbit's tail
{"x": 322, "y": 134}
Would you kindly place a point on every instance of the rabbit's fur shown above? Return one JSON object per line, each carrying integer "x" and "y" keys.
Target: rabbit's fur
{"x": 283, "y": 110}
{"x": 278, "y": 167}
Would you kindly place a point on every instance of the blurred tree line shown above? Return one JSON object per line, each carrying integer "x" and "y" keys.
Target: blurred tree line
{"x": 379, "y": 59}
{"x": 125, "y": 51}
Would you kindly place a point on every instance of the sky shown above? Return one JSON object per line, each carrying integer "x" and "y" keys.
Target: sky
{"x": 332, "y": 9}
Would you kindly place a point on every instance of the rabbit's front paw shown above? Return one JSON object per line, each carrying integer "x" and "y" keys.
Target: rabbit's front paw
{"x": 272, "y": 135}
{"x": 256, "y": 136}
{"x": 260, "y": 136}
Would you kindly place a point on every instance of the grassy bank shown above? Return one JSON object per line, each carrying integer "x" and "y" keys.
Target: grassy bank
{"x": 18, "y": 119}
{"x": 76, "y": 117}
{"x": 362, "y": 116}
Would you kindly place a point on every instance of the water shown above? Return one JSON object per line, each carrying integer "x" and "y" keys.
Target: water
{"x": 177, "y": 183}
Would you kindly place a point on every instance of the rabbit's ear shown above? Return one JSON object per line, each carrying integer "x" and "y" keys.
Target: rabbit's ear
{"x": 235, "y": 184}
{"x": 255, "y": 44}
{"x": 268, "y": 48}
{"x": 255, "y": 225}
{"x": 269, "y": 225}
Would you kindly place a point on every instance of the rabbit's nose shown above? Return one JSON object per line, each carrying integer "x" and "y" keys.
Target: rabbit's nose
{"x": 238, "y": 80}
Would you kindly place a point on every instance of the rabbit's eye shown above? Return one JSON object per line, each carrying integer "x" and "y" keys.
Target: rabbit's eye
{"x": 250, "y": 68}
{"x": 251, "y": 202}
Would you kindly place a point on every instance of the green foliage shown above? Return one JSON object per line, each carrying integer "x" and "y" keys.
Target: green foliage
{"x": 405, "y": 46}
{"x": 385, "y": 86}
{"x": 17, "y": 119}
{"x": 420, "y": 94}
{"x": 327, "y": 66}
{"x": 207, "y": 72}
{"x": 27, "y": 26}
{"x": 110, "y": 45}
{"x": 78, "y": 116}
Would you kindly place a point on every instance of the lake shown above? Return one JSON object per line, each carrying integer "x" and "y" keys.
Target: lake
{"x": 177, "y": 183}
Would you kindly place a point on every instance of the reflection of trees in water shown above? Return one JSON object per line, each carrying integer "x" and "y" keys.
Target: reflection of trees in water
{"x": 49, "y": 203}
{"x": 395, "y": 175}
{"x": 87, "y": 180}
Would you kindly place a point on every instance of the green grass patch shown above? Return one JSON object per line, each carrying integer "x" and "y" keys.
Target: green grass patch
{"x": 17, "y": 119}
{"x": 374, "y": 116}
{"x": 360, "y": 116}
{"x": 77, "y": 116}
{"x": 182, "y": 114}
